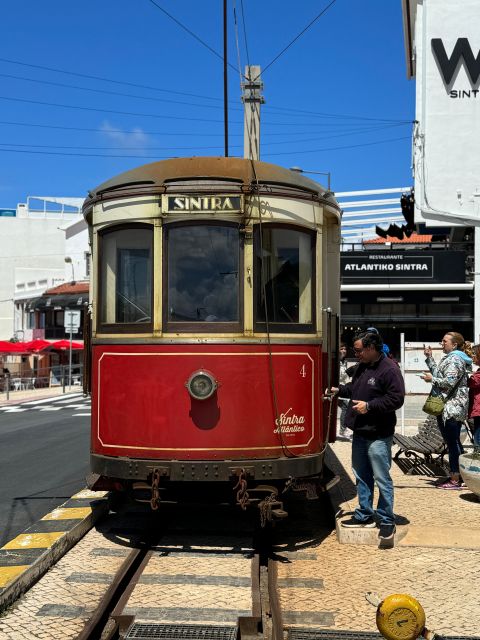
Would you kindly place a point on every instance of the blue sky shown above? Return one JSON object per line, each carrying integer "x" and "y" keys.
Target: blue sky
{"x": 337, "y": 100}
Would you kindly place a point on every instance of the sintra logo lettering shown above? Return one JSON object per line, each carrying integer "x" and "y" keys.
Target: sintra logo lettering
{"x": 287, "y": 423}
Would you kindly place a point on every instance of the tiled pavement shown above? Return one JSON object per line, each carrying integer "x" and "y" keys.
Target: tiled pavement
{"x": 437, "y": 561}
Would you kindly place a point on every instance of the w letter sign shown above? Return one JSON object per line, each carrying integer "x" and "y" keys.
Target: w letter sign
{"x": 461, "y": 52}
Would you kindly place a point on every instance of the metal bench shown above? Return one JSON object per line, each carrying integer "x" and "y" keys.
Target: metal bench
{"x": 423, "y": 453}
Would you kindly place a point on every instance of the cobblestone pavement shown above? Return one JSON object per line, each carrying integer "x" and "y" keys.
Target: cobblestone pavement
{"x": 61, "y": 603}
{"x": 437, "y": 562}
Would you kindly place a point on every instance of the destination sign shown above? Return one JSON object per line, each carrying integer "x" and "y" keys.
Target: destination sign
{"x": 202, "y": 204}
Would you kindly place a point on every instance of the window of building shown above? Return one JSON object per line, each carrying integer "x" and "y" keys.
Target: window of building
{"x": 284, "y": 279}
{"x": 87, "y": 256}
{"x": 59, "y": 318}
{"x": 392, "y": 310}
{"x": 202, "y": 276}
{"x": 126, "y": 278}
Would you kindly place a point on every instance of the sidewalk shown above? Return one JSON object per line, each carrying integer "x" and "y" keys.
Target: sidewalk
{"x": 17, "y": 397}
{"x": 437, "y": 561}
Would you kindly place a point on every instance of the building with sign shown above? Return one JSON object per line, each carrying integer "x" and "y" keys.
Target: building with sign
{"x": 412, "y": 286}
{"x": 421, "y": 285}
{"x": 442, "y": 45}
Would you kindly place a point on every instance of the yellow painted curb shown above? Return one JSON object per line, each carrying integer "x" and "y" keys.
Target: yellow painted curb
{"x": 68, "y": 513}
{"x": 7, "y": 574}
{"x": 34, "y": 540}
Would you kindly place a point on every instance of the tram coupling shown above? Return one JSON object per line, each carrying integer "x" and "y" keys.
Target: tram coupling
{"x": 264, "y": 496}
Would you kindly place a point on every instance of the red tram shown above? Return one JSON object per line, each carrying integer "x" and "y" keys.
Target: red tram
{"x": 215, "y": 301}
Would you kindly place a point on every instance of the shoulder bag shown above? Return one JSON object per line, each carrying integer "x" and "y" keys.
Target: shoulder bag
{"x": 434, "y": 405}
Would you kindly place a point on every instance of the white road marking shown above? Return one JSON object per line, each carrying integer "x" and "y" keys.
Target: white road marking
{"x": 66, "y": 398}
{"x": 14, "y": 410}
{"x": 81, "y": 414}
{"x": 50, "y": 408}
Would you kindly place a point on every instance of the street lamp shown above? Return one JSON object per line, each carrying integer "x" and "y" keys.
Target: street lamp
{"x": 320, "y": 173}
{"x": 68, "y": 260}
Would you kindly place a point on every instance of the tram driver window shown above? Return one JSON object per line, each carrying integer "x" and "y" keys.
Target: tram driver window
{"x": 126, "y": 277}
{"x": 284, "y": 278}
{"x": 203, "y": 275}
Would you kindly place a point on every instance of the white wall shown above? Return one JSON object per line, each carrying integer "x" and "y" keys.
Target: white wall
{"x": 447, "y": 139}
{"x": 26, "y": 243}
{"x": 76, "y": 246}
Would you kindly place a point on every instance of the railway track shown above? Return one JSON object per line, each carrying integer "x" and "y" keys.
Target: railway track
{"x": 220, "y": 584}
{"x": 197, "y": 573}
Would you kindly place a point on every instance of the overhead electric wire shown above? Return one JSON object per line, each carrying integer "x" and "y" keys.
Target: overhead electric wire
{"x": 340, "y": 135}
{"x": 115, "y": 93}
{"x": 350, "y": 146}
{"x": 269, "y": 108}
{"x": 190, "y": 32}
{"x": 334, "y": 115}
{"x": 121, "y": 148}
{"x": 155, "y": 133}
{"x": 123, "y": 113}
{"x": 245, "y": 33}
{"x": 102, "y": 79}
{"x": 196, "y": 147}
{"x": 298, "y": 36}
{"x": 149, "y": 115}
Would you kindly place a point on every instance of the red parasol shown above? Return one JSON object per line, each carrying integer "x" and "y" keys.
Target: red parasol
{"x": 61, "y": 345}
{"x": 12, "y": 347}
{"x": 36, "y": 345}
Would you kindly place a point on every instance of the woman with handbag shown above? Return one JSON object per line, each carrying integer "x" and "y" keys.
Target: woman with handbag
{"x": 449, "y": 380}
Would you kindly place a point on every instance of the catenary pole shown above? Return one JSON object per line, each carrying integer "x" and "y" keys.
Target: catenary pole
{"x": 252, "y": 99}
{"x": 225, "y": 76}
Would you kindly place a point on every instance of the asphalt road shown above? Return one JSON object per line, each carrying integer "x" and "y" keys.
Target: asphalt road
{"x": 44, "y": 458}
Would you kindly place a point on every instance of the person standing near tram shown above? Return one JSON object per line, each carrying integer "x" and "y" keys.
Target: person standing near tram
{"x": 449, "y": 379}
{"x": 376, "y": 391}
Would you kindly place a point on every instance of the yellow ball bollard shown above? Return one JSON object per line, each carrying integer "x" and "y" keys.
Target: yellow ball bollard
{"x": 400, "y": 617}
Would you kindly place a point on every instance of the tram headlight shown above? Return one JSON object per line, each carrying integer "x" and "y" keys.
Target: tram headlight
{"x": 201, "y": 385}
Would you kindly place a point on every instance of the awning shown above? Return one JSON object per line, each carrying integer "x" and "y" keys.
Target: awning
{"x": 60, "y": 302}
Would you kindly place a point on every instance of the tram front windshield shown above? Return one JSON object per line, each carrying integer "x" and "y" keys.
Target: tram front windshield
{"x": 203, "y": 265}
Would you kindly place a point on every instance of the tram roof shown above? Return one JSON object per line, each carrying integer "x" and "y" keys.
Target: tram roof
{"x": 156, "y": 176}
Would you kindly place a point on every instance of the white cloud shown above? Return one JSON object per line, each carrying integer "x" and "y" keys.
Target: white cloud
{"x": 125, "y": 139}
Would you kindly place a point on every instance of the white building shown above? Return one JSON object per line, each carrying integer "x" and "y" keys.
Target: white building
{"x": 33, "y": 246}
{"x": 442, "y": 44}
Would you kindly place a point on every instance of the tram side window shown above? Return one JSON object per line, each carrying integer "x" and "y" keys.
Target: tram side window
{"x": 203, "y": 274}
{"x": 284, "y": 278}
{"x": 126, "y": 277}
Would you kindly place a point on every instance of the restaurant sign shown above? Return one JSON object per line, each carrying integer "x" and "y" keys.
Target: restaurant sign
{"x": 405, "y": 266}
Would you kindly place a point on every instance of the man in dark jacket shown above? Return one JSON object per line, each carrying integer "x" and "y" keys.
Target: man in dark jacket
{"x": 376, "y": 391}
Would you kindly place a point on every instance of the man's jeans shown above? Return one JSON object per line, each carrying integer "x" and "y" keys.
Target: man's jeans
{"x": 371, "y": 462}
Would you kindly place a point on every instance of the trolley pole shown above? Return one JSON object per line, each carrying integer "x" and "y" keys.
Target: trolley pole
{"x": 252, "y": 99}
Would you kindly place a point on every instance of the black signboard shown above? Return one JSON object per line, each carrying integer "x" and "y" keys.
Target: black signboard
{"x": 402, "y": 266}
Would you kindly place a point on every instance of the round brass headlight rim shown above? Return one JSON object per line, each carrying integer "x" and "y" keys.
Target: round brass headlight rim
{"x": 205, "y": 375}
